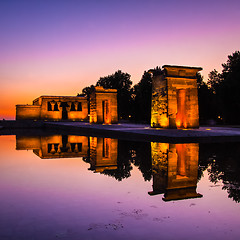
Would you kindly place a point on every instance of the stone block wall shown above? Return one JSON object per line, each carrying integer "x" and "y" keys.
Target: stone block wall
{"x": 175, "y": 98}
{"x": 55, "y": 146}
{"x": 103, "y": 153}
{"x": 27, "y": 112}
{"x": 55, "y": 108}
{"x": 159, "y": 113}
{"x": 103, "y": 106}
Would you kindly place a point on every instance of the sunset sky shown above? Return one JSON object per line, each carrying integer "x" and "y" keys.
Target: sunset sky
{"x": 59, "y": 47}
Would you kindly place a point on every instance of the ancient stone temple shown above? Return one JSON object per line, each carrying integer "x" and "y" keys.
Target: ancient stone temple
{"x": 103, "y": 106}
{"x": 54, "y": 108}
{"x": 175, "y": 97}
{"x": 175, "y": 170}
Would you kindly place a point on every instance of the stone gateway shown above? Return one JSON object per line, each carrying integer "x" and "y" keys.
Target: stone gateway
{"x": 103, "y": 106}
{"x": 175, "y": 97}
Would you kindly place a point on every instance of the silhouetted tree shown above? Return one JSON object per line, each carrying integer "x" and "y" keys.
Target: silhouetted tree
{"x": 205, "y": 100}
{"x": 226, "y": 87}
{"x": 214, "y": 80}
{"x": 142, "y": 93}
{"x": 87, "y": 91}
{"x": 230, "y": 89}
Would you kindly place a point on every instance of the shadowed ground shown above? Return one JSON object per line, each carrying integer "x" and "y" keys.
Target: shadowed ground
{"x": 139, "y": 132}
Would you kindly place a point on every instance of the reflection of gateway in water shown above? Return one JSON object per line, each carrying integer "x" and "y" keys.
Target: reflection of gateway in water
{"x": 175, "y": 170}
{"x": 101, "y": 151}
{"x": 103, "y": 154}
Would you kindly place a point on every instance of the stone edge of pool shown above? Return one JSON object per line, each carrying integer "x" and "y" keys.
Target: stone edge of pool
{"x": 130, "y": 131}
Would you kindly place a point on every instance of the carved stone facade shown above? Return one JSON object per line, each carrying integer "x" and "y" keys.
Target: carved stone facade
{"x": 175, "y": 97}
{"x": 103, "y": 106}
{"x": 54, "y": 108}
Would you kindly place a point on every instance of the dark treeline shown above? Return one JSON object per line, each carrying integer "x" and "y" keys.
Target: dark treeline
{"x": 219, "y": 97}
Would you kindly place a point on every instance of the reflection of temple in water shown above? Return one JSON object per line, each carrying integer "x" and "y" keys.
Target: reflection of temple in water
{"x": 55, "y": 146}
{"x": 174, "y": 166}
{"x": 102, "y": 152}
{"x": 175, "y": 170}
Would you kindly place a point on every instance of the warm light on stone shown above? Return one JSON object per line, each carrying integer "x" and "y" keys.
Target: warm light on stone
{"x": 175, "y": 170}
{"x": 103, "y": 106}
{"x": 55, "y": 146}
{"x": 175, "y": 98}
{"x": 54, "y": 108}
{"x": 103, "y": 153}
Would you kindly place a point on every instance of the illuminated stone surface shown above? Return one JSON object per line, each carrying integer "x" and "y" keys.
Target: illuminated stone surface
{"x": 103, "y": 154}
{"x": 54, "y": 108}
{"x": 175, "y": 170}
{"x": 103, "y": 106}
{"x": 55, "y": 146}
{"x": 175, "y": 98}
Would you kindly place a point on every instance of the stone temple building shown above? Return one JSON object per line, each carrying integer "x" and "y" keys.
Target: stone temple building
{"x": 175, "y": 97}
{"x": 174, "y": 102}
{"x": 103, "y": 106}
{"x": 54, "y": 108}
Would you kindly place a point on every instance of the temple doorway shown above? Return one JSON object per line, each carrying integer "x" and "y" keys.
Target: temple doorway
{"x": 106, "y": 112}
{"x": 181, "y": 117}
{"x": 64, "y": 106}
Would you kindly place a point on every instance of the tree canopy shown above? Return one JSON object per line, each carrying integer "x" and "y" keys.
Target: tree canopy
{"x": 226, "y": 88}
{"x": 142, "y": 94}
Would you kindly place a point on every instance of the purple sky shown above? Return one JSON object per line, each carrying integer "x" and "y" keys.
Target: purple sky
{"x": 59, "y": 47}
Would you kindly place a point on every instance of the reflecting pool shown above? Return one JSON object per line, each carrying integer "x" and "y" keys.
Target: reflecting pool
{"x": 79, "y": 187}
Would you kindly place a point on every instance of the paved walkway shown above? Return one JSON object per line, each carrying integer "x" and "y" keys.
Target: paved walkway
{"x": 143, "y": 132}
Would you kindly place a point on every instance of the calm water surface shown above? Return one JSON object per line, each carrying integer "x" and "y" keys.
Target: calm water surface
{"x": 76, "y": 187}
